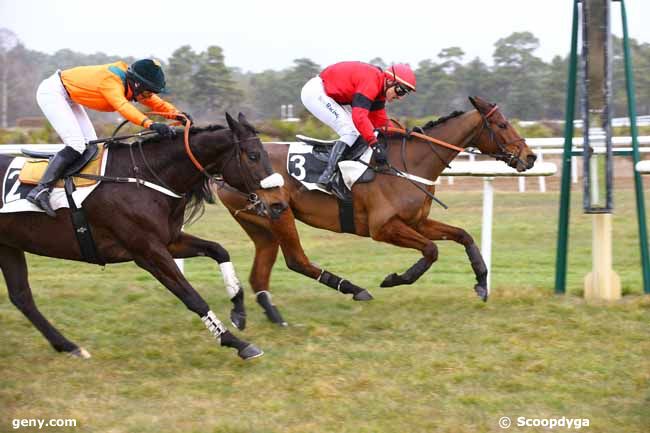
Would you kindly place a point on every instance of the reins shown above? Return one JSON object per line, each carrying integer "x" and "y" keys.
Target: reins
{"x": 406, "y": 134}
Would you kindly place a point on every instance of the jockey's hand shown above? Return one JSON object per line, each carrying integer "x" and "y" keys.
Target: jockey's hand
{"x": 187, "y": 116}
{"x": 380, "y": 154}
{"x": 162, "y": 129}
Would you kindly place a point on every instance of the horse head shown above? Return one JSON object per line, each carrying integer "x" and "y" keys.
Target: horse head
{"x": 499, "y": 139}
{"x": 252, "y": 171}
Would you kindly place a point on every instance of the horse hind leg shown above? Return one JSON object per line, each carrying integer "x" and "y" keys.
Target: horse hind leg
{"x": 266, "y": 253}
{"x": 14, "y": 269}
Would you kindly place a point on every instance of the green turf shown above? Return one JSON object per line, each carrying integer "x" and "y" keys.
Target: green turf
{"x": 423, "y": 358}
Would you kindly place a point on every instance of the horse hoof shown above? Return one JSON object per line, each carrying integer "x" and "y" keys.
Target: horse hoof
{"x": 363, "y": 295}
{"x": 80, "y": 352}
{"x": 482, "y": 292}
{"x": 238, "y": 320}
{"x": 249, "y": 352}
{"x": 392, "y": 280}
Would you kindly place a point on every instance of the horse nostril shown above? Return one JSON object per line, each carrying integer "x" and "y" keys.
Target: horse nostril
{"x": 531, "y": 159}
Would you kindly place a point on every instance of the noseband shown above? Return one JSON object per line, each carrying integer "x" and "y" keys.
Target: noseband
{"x": 503, "y": 154}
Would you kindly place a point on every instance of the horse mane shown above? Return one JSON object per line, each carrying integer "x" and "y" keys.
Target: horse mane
{"x": 201, "y": 193}
{"x": 193, "y": 130}
{"x": 440, "y": 121}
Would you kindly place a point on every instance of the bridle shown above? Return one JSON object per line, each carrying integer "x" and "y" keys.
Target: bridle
{"x": 504, "y": 154}
{"x": 247, "y": 176}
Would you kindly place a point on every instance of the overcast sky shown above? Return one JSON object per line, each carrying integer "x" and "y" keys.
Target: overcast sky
{"x": 268, "y": 34}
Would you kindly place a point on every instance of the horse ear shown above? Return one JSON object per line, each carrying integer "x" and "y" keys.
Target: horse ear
{"x": 472, "y": 99}
{"x": 232, "y": 123}
{"x": 245, "y": 123}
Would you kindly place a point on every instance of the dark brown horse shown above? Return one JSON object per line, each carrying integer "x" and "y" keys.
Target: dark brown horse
{"x": 133, "y": 222}
{"x": 389, "y": 209}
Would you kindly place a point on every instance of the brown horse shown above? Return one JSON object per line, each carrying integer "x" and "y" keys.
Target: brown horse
{"x": 133, "y": 222}
{"x": 389, "y": 209}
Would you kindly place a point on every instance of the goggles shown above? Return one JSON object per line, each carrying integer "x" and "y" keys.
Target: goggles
{"x": 401, "y": 90}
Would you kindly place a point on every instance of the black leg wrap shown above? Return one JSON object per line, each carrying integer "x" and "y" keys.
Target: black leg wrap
{"x": 238, "y": 313}
{"x": 478, "y": 265}
{"x": 344, "y": 286}
{"x": 271, "y": 311}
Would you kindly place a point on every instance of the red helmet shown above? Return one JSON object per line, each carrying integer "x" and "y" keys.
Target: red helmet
{"x": 403, "y": 74}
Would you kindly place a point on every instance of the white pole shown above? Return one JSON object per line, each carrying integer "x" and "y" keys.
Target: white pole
{"x": 181, "y": 265}
{"x": 486, "y": 232}
{"x": 542, "y": 179}
{"x": 181, "y": 262}
{"x": 522, "y": 184}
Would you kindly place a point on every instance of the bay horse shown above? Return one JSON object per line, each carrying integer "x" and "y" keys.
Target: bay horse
{"x": 131, "y": 222}
{"x": 389, "y": 209}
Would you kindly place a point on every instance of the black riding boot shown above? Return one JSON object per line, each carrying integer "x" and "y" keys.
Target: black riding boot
{"x": 325, "y": 179}
{"x": 40, "y": 195}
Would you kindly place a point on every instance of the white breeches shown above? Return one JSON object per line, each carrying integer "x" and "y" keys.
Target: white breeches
{"x": 328, "y": 111}
{"x": 68, "y": 118}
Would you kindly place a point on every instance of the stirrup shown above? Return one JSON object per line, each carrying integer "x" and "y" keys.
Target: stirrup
{"x": 42, "y": 200}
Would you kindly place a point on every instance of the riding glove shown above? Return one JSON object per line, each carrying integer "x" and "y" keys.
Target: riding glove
{"x": 162, "y": 129}
{"x": 380, "y": 154}
{"x": 182, "y": 119}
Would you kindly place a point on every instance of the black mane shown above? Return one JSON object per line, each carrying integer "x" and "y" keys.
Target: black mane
{"x": 201, "y": 193}
{"x": 434, "y": 123}
{"x": 193, "y": 130}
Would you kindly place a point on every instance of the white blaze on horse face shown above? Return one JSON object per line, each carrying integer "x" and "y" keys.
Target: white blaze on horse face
{"x": 230, "y": 278}
{"x": 273, "y": 181}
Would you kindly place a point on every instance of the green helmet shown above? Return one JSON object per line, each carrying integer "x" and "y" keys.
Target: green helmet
{"x": 146, "y": 74}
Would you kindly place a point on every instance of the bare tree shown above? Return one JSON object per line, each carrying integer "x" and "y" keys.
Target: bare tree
{"x": 8, "y": 40}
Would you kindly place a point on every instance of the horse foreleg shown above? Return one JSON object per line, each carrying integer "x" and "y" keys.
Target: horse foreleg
{"x": 396, "y": 232}
{"x": 187, "y": 246}
{"x": 266, "y": 252}
{"x": 158, "y": 261}
{"x": 436, "y": 230}
{"x": 14, "y": 269}
{"x": 284, "y": 229}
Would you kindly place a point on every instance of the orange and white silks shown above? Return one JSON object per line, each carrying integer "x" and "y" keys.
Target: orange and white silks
{"x": 103, "y": 88}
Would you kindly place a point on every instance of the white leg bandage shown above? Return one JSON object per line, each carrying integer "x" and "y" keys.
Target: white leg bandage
{"x": 214, "y": 325}
{"x": 230, "y": 278}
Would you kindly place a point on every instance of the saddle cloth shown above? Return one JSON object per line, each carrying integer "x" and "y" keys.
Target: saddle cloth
{"x": 23, "y": 173}
{"x": 33, "y": 171}
{"x": 306, "y": 163}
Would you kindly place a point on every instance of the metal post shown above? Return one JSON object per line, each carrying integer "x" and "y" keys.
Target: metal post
{"x": 565, "y": 194}
{"x": 638, "y": 181}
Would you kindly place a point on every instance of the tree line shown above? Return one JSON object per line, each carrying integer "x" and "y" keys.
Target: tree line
{"x": 202, "y": 83}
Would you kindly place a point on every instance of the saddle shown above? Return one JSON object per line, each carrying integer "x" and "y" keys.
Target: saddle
{"x": 308, "y": 158}
{"x": 88, "y": 163}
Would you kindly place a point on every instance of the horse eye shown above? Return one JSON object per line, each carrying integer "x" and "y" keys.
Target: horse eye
{"x": 502, "y": 126}
{"x": 254, "y": 156}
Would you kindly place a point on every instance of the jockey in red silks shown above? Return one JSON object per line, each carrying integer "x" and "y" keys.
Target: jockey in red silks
{"x": 350, "y": 98}
{"x": 111, "y": 87}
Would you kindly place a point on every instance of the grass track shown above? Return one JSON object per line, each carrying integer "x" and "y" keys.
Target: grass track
{"x": 423, "y": 358}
